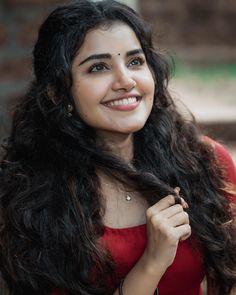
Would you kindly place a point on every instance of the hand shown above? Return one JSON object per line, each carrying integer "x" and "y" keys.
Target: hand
{"x": 167, "y": 224}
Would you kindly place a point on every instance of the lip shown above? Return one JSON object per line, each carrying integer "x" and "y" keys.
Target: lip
{"x": 123, "y": 107}
{"x": 138, "y": 96}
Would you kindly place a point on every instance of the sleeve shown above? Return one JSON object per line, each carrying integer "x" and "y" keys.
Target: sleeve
{"x": 228, "y": 166}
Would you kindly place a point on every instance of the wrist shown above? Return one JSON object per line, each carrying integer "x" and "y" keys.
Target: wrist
{"x": 151, "y": 266}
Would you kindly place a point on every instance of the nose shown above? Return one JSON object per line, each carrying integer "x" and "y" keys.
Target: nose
{"x": 123, "y": 80}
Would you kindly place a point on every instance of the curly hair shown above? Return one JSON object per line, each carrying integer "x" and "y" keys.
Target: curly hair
{"x": 51, "y": 204}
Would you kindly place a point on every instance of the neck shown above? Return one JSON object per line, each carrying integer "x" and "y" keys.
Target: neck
{"x": 120, "y": 145}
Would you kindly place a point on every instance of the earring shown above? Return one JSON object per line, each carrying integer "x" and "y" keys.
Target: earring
{"x": 70, "y": 109}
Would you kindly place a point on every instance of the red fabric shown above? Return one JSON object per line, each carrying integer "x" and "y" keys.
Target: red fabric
{"x": 186, "y": 273}
{"x": 228, "y": 166}
{"x": 183, "y": 277}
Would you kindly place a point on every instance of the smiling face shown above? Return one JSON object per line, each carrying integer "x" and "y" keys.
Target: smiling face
{"x": 112, "y": 87}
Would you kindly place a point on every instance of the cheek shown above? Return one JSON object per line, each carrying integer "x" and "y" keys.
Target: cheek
{"x": 90, "y": 91}
{"x": 151, "y": 84}
{"x": 87, "y": 100}
{"x": 80, "y": 98}
{"x": 83, "y": 107}
{"x": 147, "y": 81}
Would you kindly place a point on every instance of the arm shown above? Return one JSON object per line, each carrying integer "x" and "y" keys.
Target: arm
{"x": 167, "y": 224}
{"x": 233, "y": 291}
{"x": 141, "y": 280}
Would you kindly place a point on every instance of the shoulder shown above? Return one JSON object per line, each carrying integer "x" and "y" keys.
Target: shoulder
{"x": 224, "y": 159}
{"x": 226, "y": 163}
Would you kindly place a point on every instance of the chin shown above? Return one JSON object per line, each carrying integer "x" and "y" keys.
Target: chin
{"x": 133, "y": 128}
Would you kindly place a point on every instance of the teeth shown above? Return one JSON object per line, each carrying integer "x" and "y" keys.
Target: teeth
{"x": 124, "y": 101}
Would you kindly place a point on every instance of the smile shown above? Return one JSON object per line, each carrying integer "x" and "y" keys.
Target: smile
{"x": 124, "y": 101}
{"x": 124, "y": 104}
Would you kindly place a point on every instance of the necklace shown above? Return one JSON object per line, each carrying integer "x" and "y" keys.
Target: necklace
{"x": 127, "y": 195}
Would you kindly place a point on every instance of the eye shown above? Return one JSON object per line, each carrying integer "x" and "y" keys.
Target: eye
{"x": 137, "y": 61}
{"x": 98, "y": 67}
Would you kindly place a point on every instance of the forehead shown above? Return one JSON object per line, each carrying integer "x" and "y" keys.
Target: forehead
{"x": 116, "y": 38}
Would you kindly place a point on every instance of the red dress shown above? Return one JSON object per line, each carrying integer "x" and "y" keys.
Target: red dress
{"x": 185, "y": 275}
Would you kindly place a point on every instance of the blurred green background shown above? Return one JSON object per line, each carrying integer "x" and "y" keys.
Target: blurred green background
{"x": 206, "y": 73}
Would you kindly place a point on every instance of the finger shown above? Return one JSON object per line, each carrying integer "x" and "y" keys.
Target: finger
{"x": 171, "y": 211}
{"x": 177, "y": 190}
{"x": 184, "y": 204}
{"x": 177, "y": 197}
{"x": 161, "y": 205}
{"x": 185, "y": 237}
{"x": 183, "y": 232}
{"x": 179, "y": 219}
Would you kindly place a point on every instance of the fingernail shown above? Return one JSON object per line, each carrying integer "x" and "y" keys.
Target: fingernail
{"x": 184, "y": 203}
{"x": 177, "y": 190}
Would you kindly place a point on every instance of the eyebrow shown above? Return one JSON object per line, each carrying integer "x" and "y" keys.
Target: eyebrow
{"x": 108, "y": 55}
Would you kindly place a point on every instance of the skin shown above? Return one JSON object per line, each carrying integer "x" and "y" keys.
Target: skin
{"x": 121, "y": 74}
{"x": 98, "y": 81}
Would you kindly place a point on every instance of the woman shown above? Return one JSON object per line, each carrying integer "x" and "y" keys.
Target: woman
{"x": 94, "y": 166}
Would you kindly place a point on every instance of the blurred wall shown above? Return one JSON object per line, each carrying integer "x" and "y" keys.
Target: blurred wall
{"x": 200, "y": 35}
{"x": 198, "y": 30}
{"x": 19, "y": 22}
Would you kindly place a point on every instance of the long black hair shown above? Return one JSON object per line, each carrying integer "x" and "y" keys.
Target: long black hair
{"x": 51, "y": 205}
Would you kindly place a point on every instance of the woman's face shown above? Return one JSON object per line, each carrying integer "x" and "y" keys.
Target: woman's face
{"x": 112, "y": 87}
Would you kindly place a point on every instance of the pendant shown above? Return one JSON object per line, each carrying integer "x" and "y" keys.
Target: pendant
{"x": 128, "y": 198}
